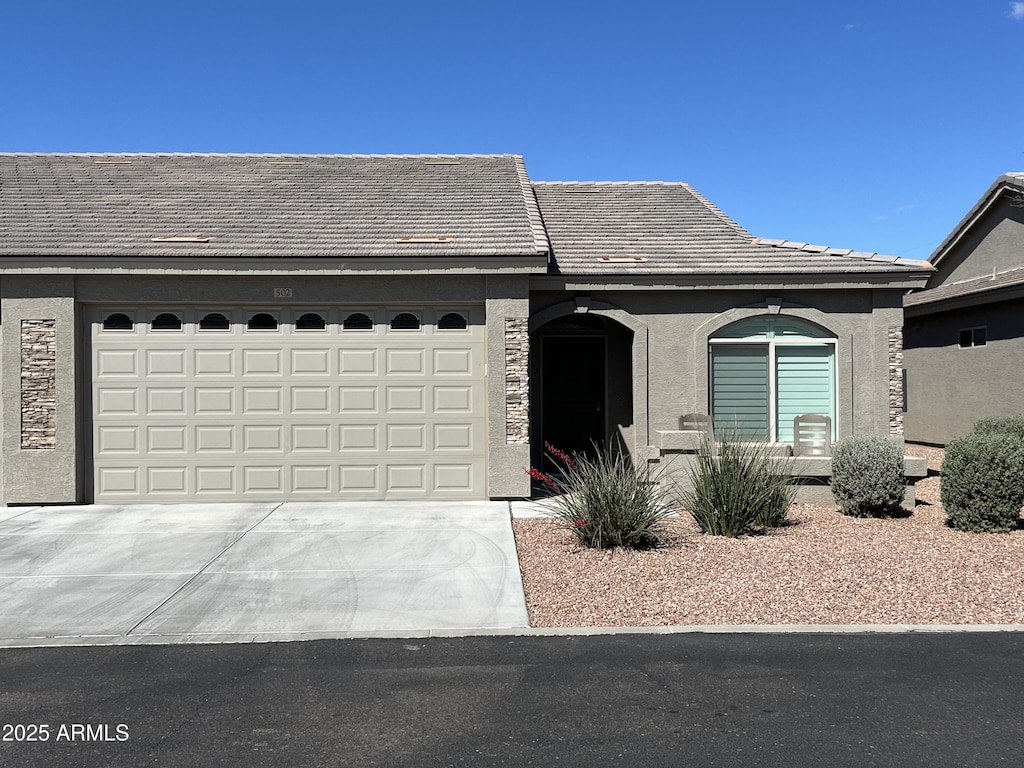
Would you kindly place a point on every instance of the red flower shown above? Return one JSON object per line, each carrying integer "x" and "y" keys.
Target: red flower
{"x": 536, "y": 474}
{"x": 562, "y": 456}
{"x": 578, "y": 522}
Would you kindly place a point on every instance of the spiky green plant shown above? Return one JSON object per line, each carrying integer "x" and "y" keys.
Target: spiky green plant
{"x": 606, "y": 500}
{"x": 738, "y": 486}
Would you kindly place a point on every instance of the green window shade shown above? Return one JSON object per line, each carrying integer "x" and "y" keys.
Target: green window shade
{"x": 803, "y": 384}
{"x": 739, "y": 391}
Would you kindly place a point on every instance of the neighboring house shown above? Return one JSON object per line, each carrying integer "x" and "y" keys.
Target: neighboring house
{"x": 964, "y": 332}
{"x": 231, "y": 327}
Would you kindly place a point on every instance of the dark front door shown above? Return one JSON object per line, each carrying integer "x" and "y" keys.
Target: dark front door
{"x": 573, "y": 417}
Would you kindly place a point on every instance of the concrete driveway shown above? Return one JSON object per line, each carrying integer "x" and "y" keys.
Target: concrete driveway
{"x": 247, "y": 572}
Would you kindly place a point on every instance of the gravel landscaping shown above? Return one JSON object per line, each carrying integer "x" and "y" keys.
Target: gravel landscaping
{"x": 823, "y": 568}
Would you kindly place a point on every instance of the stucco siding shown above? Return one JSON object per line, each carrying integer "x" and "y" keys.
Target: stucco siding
{"x": 678, "y": 325}
{"x": 949, "y": 387}
{"x": 993, "y": 245}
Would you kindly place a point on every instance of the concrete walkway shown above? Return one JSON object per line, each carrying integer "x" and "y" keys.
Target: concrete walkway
{"x": 246, "y": 572}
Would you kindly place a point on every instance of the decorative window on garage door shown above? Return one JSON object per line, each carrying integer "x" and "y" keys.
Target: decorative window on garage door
{"x": 280, "y": 403}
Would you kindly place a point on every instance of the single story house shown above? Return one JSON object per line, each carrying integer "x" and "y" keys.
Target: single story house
{"x": 228, "y": 327}
{"x": 964, "y": 331}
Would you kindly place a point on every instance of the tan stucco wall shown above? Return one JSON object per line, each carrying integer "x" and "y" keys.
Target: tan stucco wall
{"x": 671, "y": 375}
{"x": 995, "y": 243}
{"x": 669, "y": 350}
{"x": 40, "y": 475}
{"x": 949, "y": 388}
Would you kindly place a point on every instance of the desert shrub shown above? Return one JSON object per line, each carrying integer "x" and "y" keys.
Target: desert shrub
{"x": 1001, "y": 425}
{"x": 738, "y": 486}
{"x": 606, "y": 501}
{"x": 983, "y": 482}
{"x": 868, "y": 477}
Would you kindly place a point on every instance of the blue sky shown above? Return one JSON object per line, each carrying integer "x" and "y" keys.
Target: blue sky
{"x": 851, "y": 123}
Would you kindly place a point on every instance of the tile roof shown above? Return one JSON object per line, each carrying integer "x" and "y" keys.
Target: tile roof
{"x": 209, "y": 206}
{"x": 1009, "y": 279}
{"x": 669, "y": 228}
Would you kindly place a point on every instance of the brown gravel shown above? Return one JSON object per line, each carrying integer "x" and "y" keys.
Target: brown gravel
{"x": 825, "y": 568}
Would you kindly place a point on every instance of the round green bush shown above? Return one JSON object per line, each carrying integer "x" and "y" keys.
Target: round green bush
{"x": 983, "y": 482}
{"x": 868, "y": 477}
{"x": 1001, "y": 425}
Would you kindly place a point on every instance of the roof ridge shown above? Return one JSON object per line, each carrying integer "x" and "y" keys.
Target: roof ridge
{"x": 731, "y": 223}
{"x": 533, "y": 212}
{"x": 611, "y": 183}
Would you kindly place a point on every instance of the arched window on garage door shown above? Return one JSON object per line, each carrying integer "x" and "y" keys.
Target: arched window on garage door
{"x": 767, "y": 370}
{"x": 214, "y": 321}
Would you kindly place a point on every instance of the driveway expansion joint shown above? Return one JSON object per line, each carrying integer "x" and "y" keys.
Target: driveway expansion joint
{"x": 184, "y": 585}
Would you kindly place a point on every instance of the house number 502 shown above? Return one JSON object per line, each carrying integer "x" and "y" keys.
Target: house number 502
{"x": 282, "y": 293}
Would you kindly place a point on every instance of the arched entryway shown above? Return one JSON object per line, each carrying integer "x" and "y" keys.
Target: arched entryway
{"x": 581, "y": 365}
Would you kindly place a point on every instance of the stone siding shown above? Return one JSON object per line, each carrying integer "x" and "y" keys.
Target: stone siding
{"x": 38, "y": 384}
{"x": 517, "y": 381}
{"x": 896, "y": 381}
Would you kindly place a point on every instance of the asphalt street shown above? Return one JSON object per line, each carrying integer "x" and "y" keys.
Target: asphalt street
{"x": 942, "y": 699}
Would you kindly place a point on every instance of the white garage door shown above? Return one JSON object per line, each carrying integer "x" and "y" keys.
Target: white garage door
{"x": 263, "y": 403}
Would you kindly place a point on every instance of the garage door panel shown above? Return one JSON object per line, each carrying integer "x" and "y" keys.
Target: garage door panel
{"x": 217, "y": 481}
{"x": 404, "y": 362}
{"x": 117, "y": 363}
{"x": 261, "y": 401}
{"x": 311, "y": 400}
{"x": 117, "y": 402}
{"x": 315, "y": 414}
{"x": 360, "y": 479}
{"x": 262, "y": 479}
{"x": 261, "y": 362}
{"x": 310, "y": 362}
{"x": 211, "y": 401}
{"x": 165, "y": 362}
{"x": 167, "y": 439}
{"x": 114, "y": 481}
{"x": 453, "y": 400}
{"x": 311, "y": 437}
{"x": 405, "y": 399}
{"x": 263, "y": 438}
{"x": 406, "y": 477}
{"x": 452, "y": 362}
{"x": 214, "y": 362}
{"x": 167, "y": 480}
{"x": 453, "y": 437}
{"x": 357, "y": 400}
{"x": 312, "y": 478}
{"x": 357, "y": 362}
{"x": 166, "y": 401}
{"x": 457, "y": 477}
{"x": 117, "y": 439}
{"x": 358, "y": 437}
{"x": 214, "y": 438}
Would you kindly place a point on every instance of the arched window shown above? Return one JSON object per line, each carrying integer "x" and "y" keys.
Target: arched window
{"x": 405, "y": 321}
{"x": 452, "y": 321}
{"x": 310, "y": 321}
{"x": 118, "y": 321}
{"x": 166, "y": 321}
{"x": 214, "y": 321}
{"x": 262, "y": 321}
{"x": 765, "y": 371}
{"x": 358, "y": 321}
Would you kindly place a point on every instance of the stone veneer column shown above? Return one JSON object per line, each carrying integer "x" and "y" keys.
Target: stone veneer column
{"x": 38, "y": 384}
{"x": 517, "y": 381}
{"x": 896, "y": 381}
